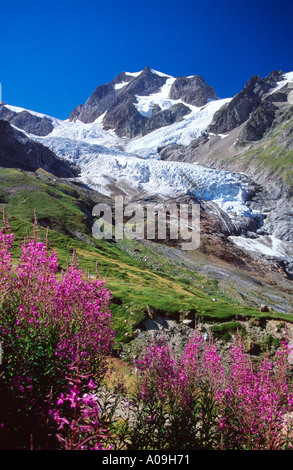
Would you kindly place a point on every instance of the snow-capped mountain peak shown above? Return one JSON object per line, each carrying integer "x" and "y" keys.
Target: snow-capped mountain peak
{"x": 116, "y": 138}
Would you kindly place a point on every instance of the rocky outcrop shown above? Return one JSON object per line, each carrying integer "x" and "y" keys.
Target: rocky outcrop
{"x": 118, "y": 102}
{"x": 97, "y": 103}
{"x": 18, "y": 151}
{"x": 238, "y": 110}
{"x": 112, "y": 97}
{"x": 146, "y": 83}
{"x": 124, "y": 118}
{"x": 165, "y": 118}
{"x": 128, "y": 122}
{"x": 192, "y": 90}
{"x": 258, "y": 122}
{"x": 36, "y": 125}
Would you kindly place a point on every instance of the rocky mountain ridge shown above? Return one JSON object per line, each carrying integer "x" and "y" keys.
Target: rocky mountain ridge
{"x": 117, "y": 99}
{"x": 260, "y": 107}
{"x": 19, "y": 151}
{"x": 27, "y": 121}
{"x": 149, "y": 135}
{"x": 247, "y": 101}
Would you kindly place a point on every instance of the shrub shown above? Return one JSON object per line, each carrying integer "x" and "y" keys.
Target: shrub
{"x": 225, "y": 330}
{"x": 200, "y": 402}
{"x": 56, "y": 333}
{"x": 48, "y": 322}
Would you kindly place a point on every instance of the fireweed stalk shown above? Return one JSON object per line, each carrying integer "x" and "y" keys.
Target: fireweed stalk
{"x": 256, "y": 402}
{"x": 46, "y": 320}
{"x": 198, "y": 402}
{"x": 78, "y": 415}
{"x": 56, "y": 332}
{"x": 6, "y": 240}
{"x": 178, "y": 398}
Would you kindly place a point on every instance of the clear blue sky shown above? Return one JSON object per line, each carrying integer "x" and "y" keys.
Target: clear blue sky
{"x": 55, "y": 53}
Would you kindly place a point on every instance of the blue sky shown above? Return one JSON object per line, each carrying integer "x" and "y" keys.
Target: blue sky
{"x": 54, "y": 54}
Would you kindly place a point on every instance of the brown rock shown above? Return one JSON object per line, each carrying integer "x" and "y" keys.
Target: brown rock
{"x": 264, "y": 308}
{"x": 253, "y": 349}
{"x": 150, "y": 312}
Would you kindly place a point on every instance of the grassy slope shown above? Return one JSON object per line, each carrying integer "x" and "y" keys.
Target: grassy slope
{"x": 272, "y": 155}
{"x": 172, "y": 291}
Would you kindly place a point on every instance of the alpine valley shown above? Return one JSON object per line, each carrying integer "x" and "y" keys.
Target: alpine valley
{"x": 153, "y": 138}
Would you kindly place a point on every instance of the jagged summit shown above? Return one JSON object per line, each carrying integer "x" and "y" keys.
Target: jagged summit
{"x": 255, "y": 92}
{"x": 148, "y": 134}
{"x": 119, "y": 101}
{"x": 105, "y": 96}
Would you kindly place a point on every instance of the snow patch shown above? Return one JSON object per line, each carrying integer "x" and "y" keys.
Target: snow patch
{"x": 266, "y": 245}
{"x": 118, "y": 86}
{"x": 133, "y": 74}
{"x": 288, "y": 77}
{"x": 192, "y": 126}
{"x": 145, "y": 104}
{"x": 136, "y": 74}
{"x": 17, "y": 109}
{"x": 161, "y": 74}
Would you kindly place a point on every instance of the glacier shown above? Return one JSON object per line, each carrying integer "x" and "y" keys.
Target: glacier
{"x": 109, "y": 163}
{"x": 105, "y": 159}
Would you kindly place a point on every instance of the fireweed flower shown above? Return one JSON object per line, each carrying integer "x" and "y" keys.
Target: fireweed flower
{"x": 256, "y": 401}
{"x": 78, "y": 417}
{"x": 48, "y": 321}
{"x": 51, "y": 323}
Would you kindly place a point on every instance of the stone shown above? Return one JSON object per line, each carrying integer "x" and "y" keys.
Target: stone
{"x": 187, "y": 322}
{"x": 150, "y": 312}
{"x": 254, "y": 349}
{"x": 264, "y": 308}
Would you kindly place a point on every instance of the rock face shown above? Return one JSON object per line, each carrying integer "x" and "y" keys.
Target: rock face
{"x": 124, "y": 118}
{"x": 18, "y": 151}
{"x": 165, "y": 117}
{"x": 26, "y": 121}
{"x": 118, "y": 100}
{"x": 259, "y": 121}
{"x": 101, "y": 99}
{"x": 117, "y": 94}
{"x": 238, "y": 110}
{"x": 258, "y": 141}
{"x": 146, "y": 83}
{"x": 192, "y": 90}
